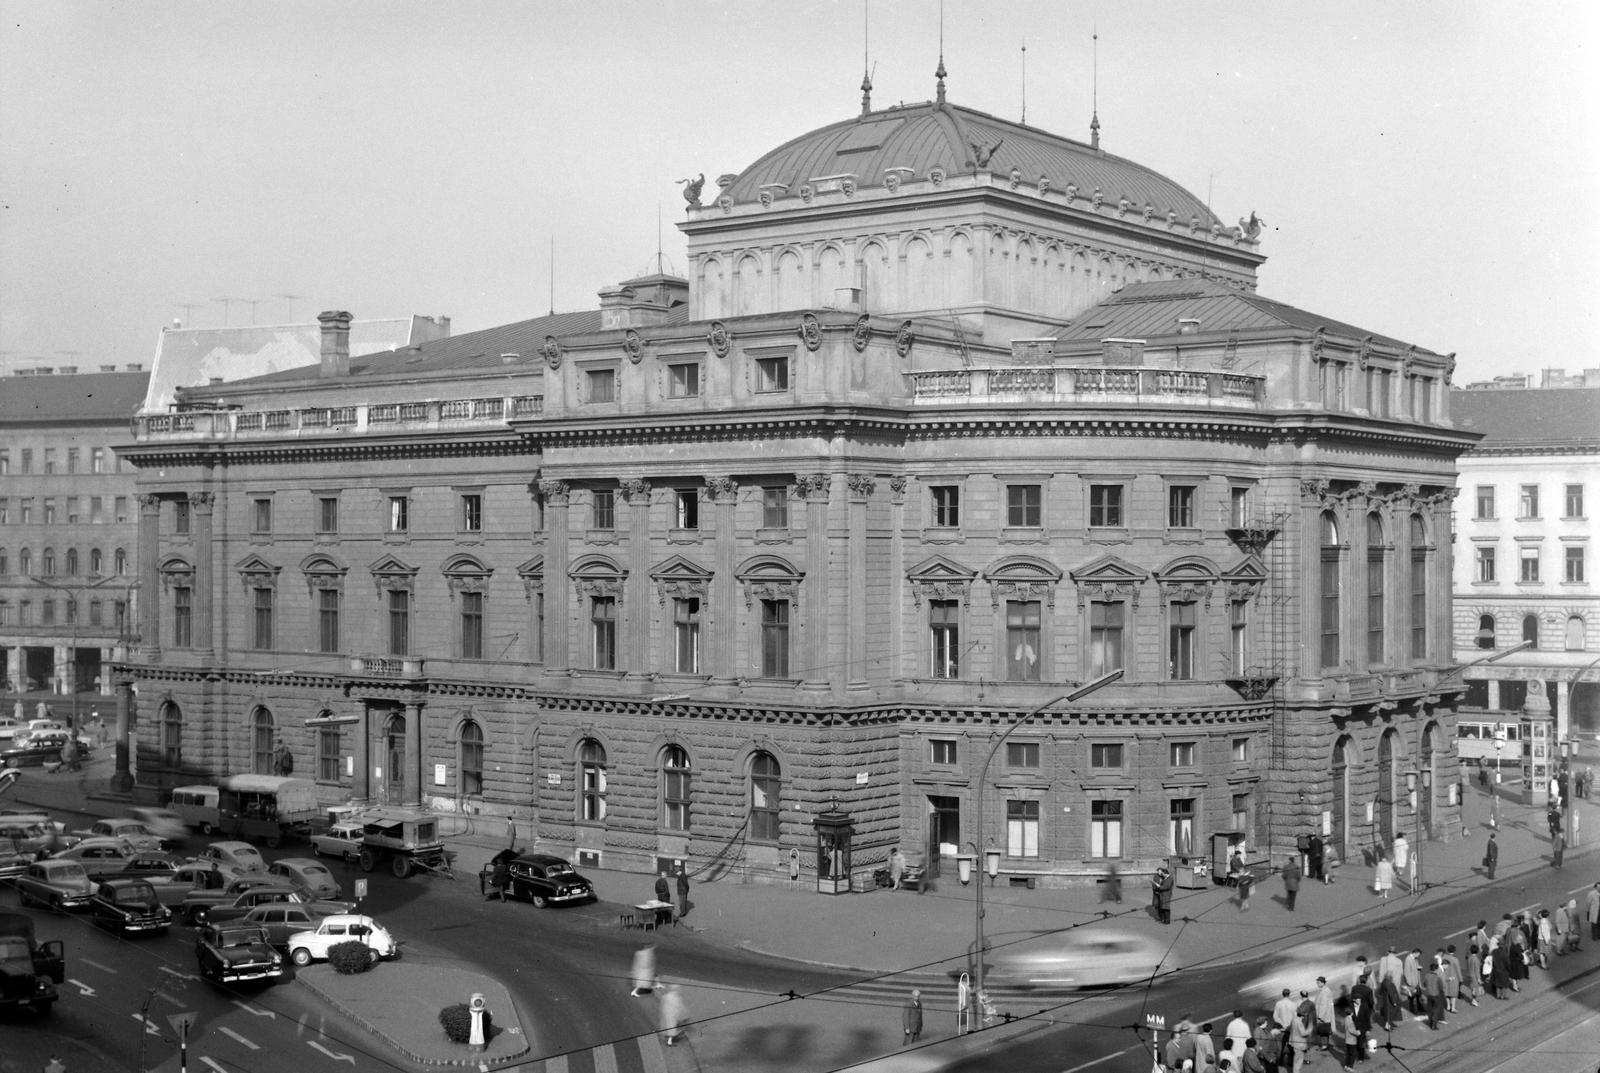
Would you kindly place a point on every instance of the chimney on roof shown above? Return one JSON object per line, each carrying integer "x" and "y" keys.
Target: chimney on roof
{"x": 135, "y": 367}
{"x": 335, "y": 343}
{"x": 108, "y": 368}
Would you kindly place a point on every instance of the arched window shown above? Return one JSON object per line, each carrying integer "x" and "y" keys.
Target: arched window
{"x": 171, "y": 736}
{"x": 1485, "y": 631}
{"x": 48, "y": 562}
{"x": 24, "y": 562}
{"x": 95, "y": 561}
{"x": 1575, "y": 633}
{"x": 1377, "y": 554}
{"x": 261, "y": 741}
{"x": 72, "y": 562}
{"x": 1328, "y": 593}
{"x": 1530, "y": 629}
{"x": 121, "y": 561}
{"x": 765, "y": 783}
{"x": 471, "y": 761}
{"x": 675, "y": 788}
{"x": 592, "y": 781}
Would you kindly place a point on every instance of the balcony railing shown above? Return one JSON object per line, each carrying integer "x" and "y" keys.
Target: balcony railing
{"x": 336, "y": 420}
{"x": 1096, "y": 384}
{"x": 387, "y": 666}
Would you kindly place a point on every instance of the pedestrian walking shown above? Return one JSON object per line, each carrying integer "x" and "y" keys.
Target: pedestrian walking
{"x": 1499, "y": 968}
{"x": 1450, "y": 969}
{"x": 897, "y": 868}
{"x": 1386, "y": 1007}
{"x": 1161, "y": 894}
{"x": 1574, "y": 933}
{"x": 911, "y": 1018}
{"x": 1518, "y": 958}
{"x": 1411, "y": 980}
{"x": 1247, "y": 883}
{"x": 1322, "y": 1004}
{"x": 1314, "y": 857}
{"x": 1389, "y": 967}
{"x": 1294, "y": 1042}
{"x": 1402, "y": 855}
{"x": 1491, "y": 856}
{"x": 1291, "y": 881}
{"x": 673, "y": 1015}
{"x": 1112, "y": 889}
{"x": 683, "y": 892}
{"x": 1383, "y": 876}
{"x": 1558, "y": 846}
{"x": 1350, "y": 1034}
{"x": 1559, "y": 926}
{"x": 1433, "y": 995}
{"x": 644, "y": 971}
{"x": 1545, "y": 933}
{"x": 1205, "y": 1048}
{"x": 1472, "y": 974}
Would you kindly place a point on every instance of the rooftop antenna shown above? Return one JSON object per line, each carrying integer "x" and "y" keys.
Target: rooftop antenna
{"x": 253, "y": 303}
{"x": 660, "y": 271}
{"x": 290, "y": 298}
{"x": 1024, "y": 80}
{"x": 1094, "y": 121}
{"x": 227, "y": 306}
{"x": 866, "y": 62}
{"x": 188, "y": 311}
{"x": 939, "y": 73}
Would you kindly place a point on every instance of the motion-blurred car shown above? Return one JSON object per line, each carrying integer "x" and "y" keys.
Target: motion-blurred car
{"x": 161, "y": 822}
{"x": 241, "y": 855}
{"x": 14, "y": 858}
{"x": 39, "y": 838}
{"x": 342, "y": 840}
{"x": 1082, "y": 957}
{"x": 37, "y": 726}
{"x": 1298, "y": 967}
{"x": 9, "y": 727}
{"x": 129, "y": 905}
{"x": 308, "y": 946}
{"x": 541, "y": 879}
{"x": 234, "y": 953}
{"x": 58, "y": 885}
{"x": 130, "y": 830}
{"x": 310, "y": 876}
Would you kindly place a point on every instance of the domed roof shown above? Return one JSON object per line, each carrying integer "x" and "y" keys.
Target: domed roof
{"x": 909, "y": 141}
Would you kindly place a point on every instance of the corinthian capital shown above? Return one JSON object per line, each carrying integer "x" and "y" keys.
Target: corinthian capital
{"x": 554, "y": 492}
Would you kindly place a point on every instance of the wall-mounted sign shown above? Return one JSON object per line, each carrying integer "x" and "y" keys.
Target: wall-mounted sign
{"x": 553, "y": 778}
{"x": 861, "y": 778}
{"x": 440, "y": 775}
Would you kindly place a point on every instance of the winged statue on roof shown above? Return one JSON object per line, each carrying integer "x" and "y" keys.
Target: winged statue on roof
{"x": 692, "y": 187}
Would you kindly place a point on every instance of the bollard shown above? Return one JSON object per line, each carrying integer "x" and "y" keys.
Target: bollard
{"x": 477, "y": 1007}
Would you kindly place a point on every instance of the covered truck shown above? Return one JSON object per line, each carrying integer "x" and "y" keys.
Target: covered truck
{"x": 29, "y": 970}
{"x": 272, "y": 808}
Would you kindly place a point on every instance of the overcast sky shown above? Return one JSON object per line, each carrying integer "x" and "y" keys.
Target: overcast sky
{"x": 1425, "y": 170}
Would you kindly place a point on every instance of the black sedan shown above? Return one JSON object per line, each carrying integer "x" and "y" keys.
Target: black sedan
{"x": 129, "y": 905}
{"x": 539, "y": 878}
{"x": 231, "y": 953}
{"x": 44, "y": 752}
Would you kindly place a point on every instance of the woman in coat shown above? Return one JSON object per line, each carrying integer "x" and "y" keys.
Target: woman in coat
{"x": 1517, "y": 956}
{"x": 1383, "y": 876}
{"x": 1472, "y": 979}
{"x": 1411, "y": 980}
{"x": 1574, "y": 934}
{"x": 1500, "y": 968}
{"x": 911, "y": 1019}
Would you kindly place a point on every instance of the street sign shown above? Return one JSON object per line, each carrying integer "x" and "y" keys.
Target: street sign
{"x": 182, "y": 1022}
{"x": 361, "y": 889}
{"x": 1499, "y": 732}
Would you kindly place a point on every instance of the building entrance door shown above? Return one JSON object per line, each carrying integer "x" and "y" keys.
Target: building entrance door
{"x": 1339, "y": 829}
{"x": 394, "y": 773}
{"x": 1386, "y": 789}
{"x": 944, "y": 829}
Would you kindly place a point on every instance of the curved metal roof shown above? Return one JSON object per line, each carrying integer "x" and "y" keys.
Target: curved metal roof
{"x": 921, "y": 137}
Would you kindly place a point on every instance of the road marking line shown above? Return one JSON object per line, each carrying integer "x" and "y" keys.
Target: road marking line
{"x": 1105, "y": 1058}
{"x": 96, "y": 964}
{"x": 83, "y": 988}
{"x": 149, "y": 1026}
{"x": 247, "y": 1008}
{"x": 226, "y": 1031}
{"x": 179, "y": 975}
{"x": 557, "y": 1064}
{"x": 605, "y": 1059}
{"x": 337, "y": 1057}
{"x": 175, "y": 1001}
{"x": 212, "y": 1064}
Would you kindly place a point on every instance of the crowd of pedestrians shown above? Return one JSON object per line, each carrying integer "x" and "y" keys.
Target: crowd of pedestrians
{"x": 1493, "y": 964}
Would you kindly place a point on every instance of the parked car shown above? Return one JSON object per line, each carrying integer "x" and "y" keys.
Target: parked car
{"x": 40, "y": 839}
{"x": 130, "y": 830}
{"x": 33, "y": 815}
{"x": 129, "y": 905}
{"x": 282, "y": 920}
{"x": 57, "y": 884}
{"x": 43, "y": 750}
{"x": 38, "y": 726}
{"x": 342, "y": 840}
{"x": 9, "y": 727}
{"x": 161, "y": 822}
{"x": 308, "y": 946}
{"x": 234, "y": 953}
{"x": 241, "y": 855}
{"x": 541, "y": 879}
{"x": 241, "y": 904}
{"x": 196, "y": 806}
{"x": 14, "y": 858}
{"x": 311, "y": 876}
{"x": 155, "y": 868}
{"x": 1082, "y": 957}
{"x": 98, "y": 853}
{"x": 194, "y": 876}
{"x": 199, "y": 901}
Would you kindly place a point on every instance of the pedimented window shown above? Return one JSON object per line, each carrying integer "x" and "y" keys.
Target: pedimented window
{"x": 466, "y": 573}
{"x": 939, "y": 578}
{"x": 1109, "y": 578}
{"x": 176, "y": 571}
{"x": 256, "y": 573}
{"x": 1023, "y": 577}
{"x": 1188, "y": 578}
{"x": 597, "y": 575}
{"x": 679, "y": 579}
{"x": 323, "y": 572}
{"x": 532, "y": 575}
{"x": 1245, "y": 578}
{"x": 390, "y": 573}
{"x": 769, "y": 577}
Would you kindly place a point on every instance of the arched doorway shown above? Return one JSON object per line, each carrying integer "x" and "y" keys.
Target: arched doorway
{"x": 1430, "y": 753}
{"x": 1386, "y": 786}
{"x": 395, "y": 747}
{"x": 261, "y": 742}
{"x": 1339, "y": 833}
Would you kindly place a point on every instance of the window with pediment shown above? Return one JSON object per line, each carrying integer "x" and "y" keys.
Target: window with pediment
{"x": 532, "y": 575}
{"x": 1186, "y": 584}
{"x": 1108, "y": 595}
{"x": 946, "y": 587}
{"x": 325, "y": 585}
{"x": 769, "y": 577}
{"x": 468, "y": 581}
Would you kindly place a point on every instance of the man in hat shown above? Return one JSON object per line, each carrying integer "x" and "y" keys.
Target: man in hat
{"x": 1491, "y": 856}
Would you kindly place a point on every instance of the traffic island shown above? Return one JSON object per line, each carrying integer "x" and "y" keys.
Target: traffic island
{"x": 400, "y": 1003}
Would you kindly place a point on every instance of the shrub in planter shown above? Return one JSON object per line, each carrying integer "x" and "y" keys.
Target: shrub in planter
{"x": 457, "y": 1022}
{"x": 351, "y": 957}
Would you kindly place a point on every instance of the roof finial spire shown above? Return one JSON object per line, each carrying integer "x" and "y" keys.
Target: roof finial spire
{"x": 866, "y": 59}
{"x": 1094, "y": 121}
{"x": 940, "y": 72}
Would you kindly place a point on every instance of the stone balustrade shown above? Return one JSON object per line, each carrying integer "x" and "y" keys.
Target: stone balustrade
{"x": 335, "y": 420}
{"x": 1087, "y": 385}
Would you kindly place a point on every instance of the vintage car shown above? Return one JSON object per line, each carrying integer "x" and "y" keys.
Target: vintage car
{"x": 234, "y": 953}
{"x": 199, "y": 901}
{"x": 102, "y": 854}
{"x": 39, "y": 838}
{"x": 541, "y": 879}
{"x": 129, "y": 905}
{"x": 1081, "y": 957}
{"x": 130, "y": 830}
{"x": 161, "y": 822}
{"x": 241, "y": 855}
{"x": 308, "y": 946}
{"x": 157, "y": 868}
{"x": 40, "y": 749}
{"x": 14, "y": 858}
{"x": 191, "y": 876}
{"x": 311, "y": 876}
{"x": 241, "y": 905}
{"x": 10, "y": 727}
{"x": 282, "y": 920}
{"x": 38, "y": 726}
{"x": 57, "y": 884}
{"x": 342, "y": 840}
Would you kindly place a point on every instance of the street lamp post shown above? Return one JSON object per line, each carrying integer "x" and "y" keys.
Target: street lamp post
{"x": 72, "y": 657}
{"x": 1426, "y": 776}
{"x": 983, "y": 776}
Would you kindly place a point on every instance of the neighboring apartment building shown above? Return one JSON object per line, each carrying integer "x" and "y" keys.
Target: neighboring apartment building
{"x": 948, "y": 440}
{"x": 68, "y": 530}
{"x": 1526, "y": 552}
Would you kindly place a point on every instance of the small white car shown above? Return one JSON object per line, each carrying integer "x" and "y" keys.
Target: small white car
{"x": 308, "y": 946}
{"x": 36, "y": 726}
{"x": 343, "y": 840}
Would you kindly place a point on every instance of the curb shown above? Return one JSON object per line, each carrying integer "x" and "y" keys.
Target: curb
{"x": 476, "y": 1060}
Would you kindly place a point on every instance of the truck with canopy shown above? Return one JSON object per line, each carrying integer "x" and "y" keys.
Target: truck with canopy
{"x": 271, "y": 808}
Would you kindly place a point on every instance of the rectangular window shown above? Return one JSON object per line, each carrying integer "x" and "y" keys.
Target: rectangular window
{"x": 97, "y": 510}
{"x": 943, "y": 751}
{"x": 5, "y": 511}
{"x": 1022, "y": 640}
{"x": 1419, "y": 605}
{"x": 1329, "y": 621}
{"x": 5, "y": 463}
{"x": 602, "y": 385}
{"x": 72, "y": 610}
{"x": 1180, "y": 641}
{"x": 1180, "y": 507}
{"x": 121, "y": 612}
{"x": 1485, "y": 561}
{"x": 1241, "y": 812}
{"x": 180, "y": 516}
{"x": 1022, "y": 828}
{"x": 946, "y": 505}
{"x": 472, "y": 625}
{"x": 1105, "y": 637}
{"x": 399, "y": 514}
{"x": 675, "y": 795}
{"x": 1238, "y": 507}
{"x": 683, "y": 381}
{"x": 49, "y": 460}
{"x": 1022, "y": 755}
{"x": 944, "y": 617}
{"x": 1241, "y": 750}
{"x": 1574, "y": 501}
{"x": 472, "y": 512}
{"x": 1024, "y": 506}
{"x": 72, "y": 510}
{"x": 772, "y": 374}
{"x": 27, "y": 510}
{"x": 72, "y": 460}
{"x": 47, "y": 610}
{"x": 1238, "y": 636}
{"x": 1180, "y": 837}
{"x": 261, "y": 620}
{"x": 97, "y": 460}
{"x": 1528, "y": 501}
{"x": 1530, "y": 564}
{"x": 182, "y": 617}
{"x": 24, "y": 612}
{"x": 538, "y": 627}
{"x": 1105, "y": 829}
{"x": 1105, "y": 756}
{"x": 603, "y": 631}
{"x": 1182, "y": 753}
{"x": 1485, "y": 501}
{"x": 50, "y": 512}
{"x": 775, "y": 638}
{"x": 686, "y": 634}
{"x": 27, "y": 460}
{"x": 96, "y": 613}
{"x": 774, "y": 508}
{"x": 121, "y": 504}
{"x": 603, "y": 509}
{"x": 328, "y": 755}
{"x": 327, "y": 514}
{"x": 327, "y": 620}
{"x": 399, "y": 622}
{"x": 1574, "y": 563}
{"x": 1375, "y": 609}
{"x": 688, "y": 509}
{"x": 1105, "y": 505}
